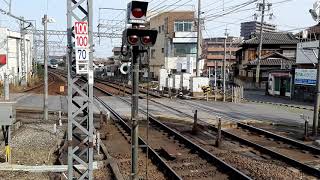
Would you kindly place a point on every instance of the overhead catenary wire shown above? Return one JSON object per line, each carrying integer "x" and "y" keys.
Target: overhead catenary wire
{"x": 232, "y": 10}
{"x": 168, "y": 7}
{"x": 172, "y": 10}
{"x": 222, "y": 7}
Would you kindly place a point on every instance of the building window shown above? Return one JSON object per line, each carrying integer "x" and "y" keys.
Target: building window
{"x": 216, "y": 53}
{"x": 162, "y": 50}
{"x": 159, "y": 29}
{"x": 183, "y": 26}
{"x": 162, "y": 27}
{"x": 182, "y": 50}
{"x": 153, "y": 51}
{"x": 289, "y": 53}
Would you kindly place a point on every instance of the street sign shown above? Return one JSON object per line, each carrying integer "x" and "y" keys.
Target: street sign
{"x": 82, "y": 47}
{"x": 305, "y": 77}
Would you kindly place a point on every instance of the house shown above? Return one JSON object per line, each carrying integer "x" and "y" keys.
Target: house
{"x": 278, "y": 69}
{"x": 176, "y": 45}
{"x": 277, "y": 50}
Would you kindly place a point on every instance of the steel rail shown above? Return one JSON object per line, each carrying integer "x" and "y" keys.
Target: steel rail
{"x": 171, "y": 174}
{"x": 235, "y": 173}
{"x": 144, "y": 91}
{"x": 293, "y": 162}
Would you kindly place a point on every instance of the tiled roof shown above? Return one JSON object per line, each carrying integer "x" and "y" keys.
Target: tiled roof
{"x": 273, "y": 38}
{"x": 272, "y": 62}
{"x": 272, "y": 59}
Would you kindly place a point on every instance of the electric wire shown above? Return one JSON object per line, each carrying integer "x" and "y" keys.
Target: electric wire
{"x": 169, "y": 6}
{"x": 148, "y": 123}
{"x": 232, "y": 10}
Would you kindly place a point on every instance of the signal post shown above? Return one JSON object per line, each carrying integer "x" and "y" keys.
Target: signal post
{"x": 137, "y": 39}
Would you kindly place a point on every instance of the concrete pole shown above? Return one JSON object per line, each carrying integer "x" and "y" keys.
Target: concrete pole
{"x": 198, "y": 40}
{"x": 6, "y": 87}
{"x": 317, "y": 102}
{"x": 134, "y": 113}
{"x": 224, "y": 69}
{"x": 215, "y": 80}
{"x": 260, "y": 44}
{"x": 45, "y": 99}
{"x": 215, "y": 73}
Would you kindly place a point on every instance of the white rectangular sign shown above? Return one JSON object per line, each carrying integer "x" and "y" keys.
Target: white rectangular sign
{"x": 82, "y": 47}
{"x": 307, "y": 52}
{"x": 81, "y": 34}
{"x": 305, "y": 77}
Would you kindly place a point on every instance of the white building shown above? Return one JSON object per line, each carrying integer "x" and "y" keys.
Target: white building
{"x": 176, "y": 46}
{"x": 10, "y": 47}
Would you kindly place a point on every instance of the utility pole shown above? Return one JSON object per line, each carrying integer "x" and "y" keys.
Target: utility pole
{"x": 45, "y": 59}
{"x": 317, "y": 103}
{"x": 23, "y": 52}
{"x": 198, "y": 40}
{"x": 262, "y": 7}
{"x": 215, "y": 73}
{"x": 224, "y": 65}
{"x": 6, "y": 86}
{"x": 6, "y": 76}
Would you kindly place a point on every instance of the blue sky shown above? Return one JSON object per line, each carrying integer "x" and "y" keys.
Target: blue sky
{"x": 289, "y": 15}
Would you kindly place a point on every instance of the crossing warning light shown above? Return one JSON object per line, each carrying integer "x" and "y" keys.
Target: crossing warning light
{"x": 3, "y": 59}
{"x": 139, "y": 37}
{"x": 137, "y": 12}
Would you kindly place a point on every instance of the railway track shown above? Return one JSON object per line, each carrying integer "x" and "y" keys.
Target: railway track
{"x": 125, "y": 130}
{"x": 307, "y": 163}
{"x": 190, "y": 162}
{"x": 185, "y": 159}
{"x": 117, "y": 145}
{"x": 51, "y": 80}
{"x": 126, "y": 88}
{"x": 292, "y": 152}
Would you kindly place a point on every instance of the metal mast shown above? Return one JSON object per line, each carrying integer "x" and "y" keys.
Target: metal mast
{"x": 80, "y": 109}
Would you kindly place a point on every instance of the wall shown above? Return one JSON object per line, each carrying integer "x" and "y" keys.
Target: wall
{"x": 10, "y": 45}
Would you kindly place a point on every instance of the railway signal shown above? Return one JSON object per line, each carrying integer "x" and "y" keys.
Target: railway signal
{"x": 137, "y": 39}
{"x": 137, "y": 12}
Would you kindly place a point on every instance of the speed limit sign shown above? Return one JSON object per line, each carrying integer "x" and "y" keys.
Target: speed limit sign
{"x": 82, "y": 47}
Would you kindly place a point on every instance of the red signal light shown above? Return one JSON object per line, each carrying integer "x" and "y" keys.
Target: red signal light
{"x": 3, "y": 59}
{"x": 133, "y": 39}
{"x": 146, "y": 40}
{"x": 137, "y": 12}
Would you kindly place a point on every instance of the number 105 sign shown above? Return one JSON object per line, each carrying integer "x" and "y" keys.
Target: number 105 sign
{"x": 82, "y": 47}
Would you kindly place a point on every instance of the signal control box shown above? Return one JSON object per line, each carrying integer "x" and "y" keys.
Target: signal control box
{"x": 7, "y": 113}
